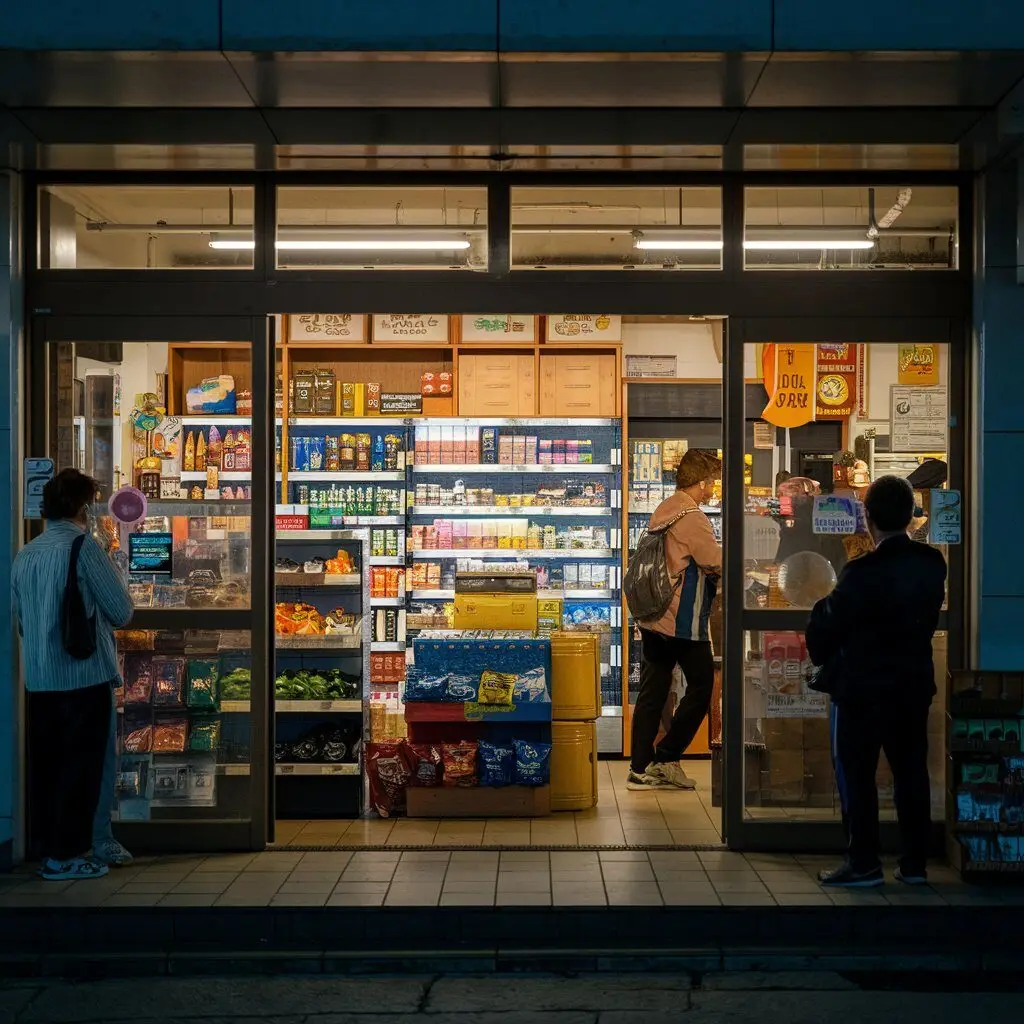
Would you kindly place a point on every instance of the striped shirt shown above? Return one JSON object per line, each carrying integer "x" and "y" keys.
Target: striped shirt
{"x": 38, "y": 576}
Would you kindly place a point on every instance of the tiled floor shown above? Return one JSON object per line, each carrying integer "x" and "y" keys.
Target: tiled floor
{"x": 621, "y": 818}
{"x": 374, "y": 878}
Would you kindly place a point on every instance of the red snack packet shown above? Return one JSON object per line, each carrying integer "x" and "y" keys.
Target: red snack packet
{"x": 459, "y": 760}
{"x": 169, "y": 736}
{"x": 387, "y": 772}
{"x": 424, "y": 761}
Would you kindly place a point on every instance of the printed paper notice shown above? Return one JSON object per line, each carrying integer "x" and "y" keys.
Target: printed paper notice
{"x": 796, "y": 705}
{"x": 919, "y": 418}
{"x": 834, "y": 515}
{"x": 945, "y": 517}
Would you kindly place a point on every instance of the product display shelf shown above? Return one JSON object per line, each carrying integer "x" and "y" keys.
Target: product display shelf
{"x": 365, "y": 476}
{"x": 296, "y": 707}
{"x": 194, "y": 476}
{"x": 321, "y": 678}
{"x": 985, "y": 797}
{"x": 542, "y": 595}
{"x": 524, "y": 511}
{"x": 515, "y": 553}
{"x": 523, "y": 467}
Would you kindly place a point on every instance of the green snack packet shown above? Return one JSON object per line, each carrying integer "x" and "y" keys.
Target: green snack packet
{"x": 203, "y": 691}
{"x": 204, "y": 735}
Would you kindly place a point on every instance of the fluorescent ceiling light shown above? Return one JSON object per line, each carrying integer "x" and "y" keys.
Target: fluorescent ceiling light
{"x": 797, "y": 237}
{"x": 350, "y": 244}
{"x": 679, "y": 244}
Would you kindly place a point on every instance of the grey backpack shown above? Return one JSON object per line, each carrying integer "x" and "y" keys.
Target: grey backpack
{"x": 648, "y": 586}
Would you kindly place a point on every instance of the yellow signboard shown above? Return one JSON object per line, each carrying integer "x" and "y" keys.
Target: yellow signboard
{"x": 790, "y": 374}
{"x": 918, "y": 364}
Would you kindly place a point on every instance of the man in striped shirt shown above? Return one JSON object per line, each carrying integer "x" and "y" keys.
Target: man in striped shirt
{"x": 69, "y": 699}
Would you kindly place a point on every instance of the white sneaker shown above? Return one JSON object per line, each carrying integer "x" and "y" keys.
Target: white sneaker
{"x": 669, "y": 773}
{"x": 110, "y": 851}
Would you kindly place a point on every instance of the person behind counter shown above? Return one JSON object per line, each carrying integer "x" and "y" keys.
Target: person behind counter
{"x": 872, "y": 639}
{"x": 69, "y": 698}
{"x": 932, "y": 473}
{"x": 680, "y": 637}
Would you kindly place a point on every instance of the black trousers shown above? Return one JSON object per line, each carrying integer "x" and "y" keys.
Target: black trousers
{"x": 660, "y": 655}
{"x": 859, "y": 734}
{"x": 70, "y": 731}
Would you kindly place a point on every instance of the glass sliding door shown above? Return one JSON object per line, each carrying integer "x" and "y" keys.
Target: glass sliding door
{"x": 171, "y": 428}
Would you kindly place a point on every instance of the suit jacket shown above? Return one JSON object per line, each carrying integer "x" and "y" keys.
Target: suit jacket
{"x": 874, "y": 631}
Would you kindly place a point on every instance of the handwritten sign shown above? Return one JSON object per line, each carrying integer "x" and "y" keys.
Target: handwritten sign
{"x": 584, "y": 327}
{"x": 499, "y": 326}
{"x": 918, "y": 418}
{"x": 790, "y": 377}
{"x": 410, "y": 327}
{"x": 327, "y": 327}
{"x": 945, "y": 517}
{"x": 917, "y": 364}
{"x": 834, "y": 515}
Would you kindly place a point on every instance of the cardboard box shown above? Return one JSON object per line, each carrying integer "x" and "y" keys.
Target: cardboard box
{"x": 496, "y": 611}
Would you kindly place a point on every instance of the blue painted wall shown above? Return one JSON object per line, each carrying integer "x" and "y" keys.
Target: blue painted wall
{"x": 999, "y": 328}
{"x": 520, "y": 25}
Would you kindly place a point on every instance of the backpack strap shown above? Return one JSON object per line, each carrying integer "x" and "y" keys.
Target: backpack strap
{"x": 672, "y": 522}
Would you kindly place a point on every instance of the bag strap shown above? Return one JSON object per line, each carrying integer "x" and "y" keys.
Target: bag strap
{"x": 672, "y": 522}
{"x": 76, "y": 550}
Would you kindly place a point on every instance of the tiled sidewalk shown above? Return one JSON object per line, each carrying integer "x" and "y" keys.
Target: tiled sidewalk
{"x": 483, "y": 878}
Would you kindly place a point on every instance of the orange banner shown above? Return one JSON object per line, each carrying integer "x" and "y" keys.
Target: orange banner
{"x": 789, "y": 378}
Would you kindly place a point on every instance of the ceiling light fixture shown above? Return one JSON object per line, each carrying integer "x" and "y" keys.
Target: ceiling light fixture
{"x": 350, "y": 244}
{"x": 792, "y": 238}
{"x": 678, "y": 239}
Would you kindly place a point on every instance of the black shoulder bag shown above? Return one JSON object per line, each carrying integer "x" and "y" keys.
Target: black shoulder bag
{"x": 78, "y": 630}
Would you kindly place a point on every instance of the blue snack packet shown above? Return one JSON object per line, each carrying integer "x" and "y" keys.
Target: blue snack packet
{"x": 461, "y": 688}
{"x": 423, "y": 687}
{"x": 494, "y": 764}
{"x": 532, "y": 687}
{"x": 533, "y": 763}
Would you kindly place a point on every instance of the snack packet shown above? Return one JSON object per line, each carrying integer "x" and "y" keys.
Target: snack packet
{"x": 461, "y": 688}
{"x": 532, "y": 687}
{"x": 139, "y": 680}
{"x": 204, "y": 736}
{"x": 203, "y": 675}
{"x": 459, "y": 760}
{"x": 424, "y": 764}
{"x": 419, "y": 686}
{"x": 496, "y": 687}
{"x": 495, "y": 764}
{"x": 138, "y": 739}
{"x": 168, "y": 682}
{"x": 387, "y": 774}
{"x": 169, "y": 736}
{"x": 533, "y": 762}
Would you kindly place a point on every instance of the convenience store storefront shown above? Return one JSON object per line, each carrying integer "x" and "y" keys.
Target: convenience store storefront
{"x": 319, "y": 470}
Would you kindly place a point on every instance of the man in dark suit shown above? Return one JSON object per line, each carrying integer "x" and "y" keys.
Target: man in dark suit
{"x": 873, "y": 637}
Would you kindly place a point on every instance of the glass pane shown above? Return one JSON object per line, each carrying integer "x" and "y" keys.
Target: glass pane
{"x": 851, "y": 228}
{"x": 145, "y": 227}
{"x": 788, "y": 770}
{"x": 433, "y": 228}
{"x": 616, "y": 228}
{"x": 857, "y": 412}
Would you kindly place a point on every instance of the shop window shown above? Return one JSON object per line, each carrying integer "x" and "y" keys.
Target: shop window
{"x": 430, "y": 228}
{"x": 616, "y": 228}
{"x": 851, "y": 228}
{"x": 128, "y": 227}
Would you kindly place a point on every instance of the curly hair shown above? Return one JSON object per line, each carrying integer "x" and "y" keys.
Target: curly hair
{"x": 697, "y": 465}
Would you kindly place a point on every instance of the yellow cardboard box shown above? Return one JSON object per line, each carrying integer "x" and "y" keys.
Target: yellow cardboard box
{"x": 496, "y": 611}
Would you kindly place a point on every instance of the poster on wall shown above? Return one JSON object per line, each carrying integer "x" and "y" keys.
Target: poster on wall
{"x": 584, "y": 327}
{"x": 327, "y": 327}
{"x": 641, "y": 366}
{"x": 37, "y": 474}
{"x": 918, "y": 364}
{"x": 410, "y": 327}
{"x": 836, "y": 390}
{"x": 498, "y": 326}
{"x": 796, "y": 705}
{"x": 790, "y": 372}
{"x": 918, "y": 419}
{"x": 945, "y": 517}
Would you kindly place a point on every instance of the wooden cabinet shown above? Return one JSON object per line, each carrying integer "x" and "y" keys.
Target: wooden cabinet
{"x": 497, "y": 385}
{"x": 577, "y": 384}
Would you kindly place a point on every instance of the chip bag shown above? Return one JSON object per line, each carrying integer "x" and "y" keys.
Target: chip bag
{"x": 169, "y": 736}
{"x": 388, "y": 774}
{"x": 424, "y": 763}
{"x": 495, "y": 764}
{"x": 496, "y": 687}
{"x": 533, "y": 763}
{"x": 204, "y": 735}
{"x": 203, "y": 674}
{"x": 459, "y": 760}
{"x": 168, "y": 682}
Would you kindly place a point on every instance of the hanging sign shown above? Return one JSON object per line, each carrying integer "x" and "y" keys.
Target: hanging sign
{"x": 584, "y": 327}
{"x": 38, "y": 473}
{"x": 834, "y": 515}
{"x": 918, "y": 419}
{"x": 410, "y": 327}
{"x": 789, "y": 378}
{"x": 327, "y": 327}
{"x": 836, "y": 391}
{"x": 945, "y": 517}
{"x": 499, "y": 327}
{"x": 917, "y": 364}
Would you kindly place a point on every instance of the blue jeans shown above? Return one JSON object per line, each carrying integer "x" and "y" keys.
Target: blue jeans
{"x": 101, "y": 828}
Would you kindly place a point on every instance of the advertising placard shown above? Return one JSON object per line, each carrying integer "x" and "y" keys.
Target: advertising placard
{"x": 410, "y": 327}
{"x": 584, "y": 327}
{"x": 919, "y": 418}
{"x": 327, "y": 327}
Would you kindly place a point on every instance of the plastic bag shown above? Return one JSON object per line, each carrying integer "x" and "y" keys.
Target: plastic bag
{"x": 496, "y": 688}
{"x": 203, "y": 675}
{"x": 139, "y": 680}
{"x": 533, "y": 763}
{"x": 168, "y": 682}
{"x": 495, "y": 764}
{"x": 532, "y": 687}
{"x": 204, "y": 736}
{"x": 169, "y": 736}
{"x": 461, "y": 688}
{"x": 459, "y": 761}
{"x": 424, "y": 764}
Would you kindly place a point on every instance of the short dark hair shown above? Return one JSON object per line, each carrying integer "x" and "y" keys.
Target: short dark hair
{"x": 697, "y": 465}
{"x": 889, "y": 503}
{"x": 67, "y": 494}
